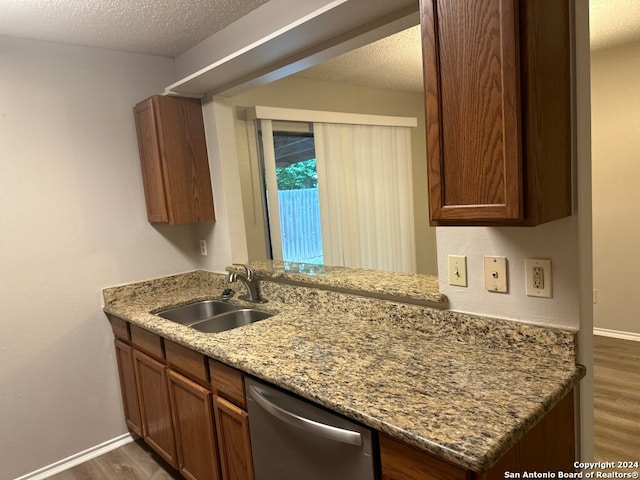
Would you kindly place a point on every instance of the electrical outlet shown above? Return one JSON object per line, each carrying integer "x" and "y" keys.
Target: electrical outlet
{"x": 537, "y": 277}
{"x": 458, "y": 270}
{"x": 495, "y": 274}
{"x": 203, "y": 248}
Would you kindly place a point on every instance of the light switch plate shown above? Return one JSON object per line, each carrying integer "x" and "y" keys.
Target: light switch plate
{"x": 458, "y": 270}
{"x": 495, "y": 274}
{"x": 537, "y": 273}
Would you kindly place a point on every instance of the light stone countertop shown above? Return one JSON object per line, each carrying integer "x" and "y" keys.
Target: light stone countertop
{"x": 463, "y": 388}
{"x": 407, "y": 287}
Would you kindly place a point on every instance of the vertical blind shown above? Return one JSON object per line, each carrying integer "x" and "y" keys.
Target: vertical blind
{"x": 366, "y": 196}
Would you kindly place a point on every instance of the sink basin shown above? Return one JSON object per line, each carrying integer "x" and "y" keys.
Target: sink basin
{"x": 197, "y": 312}
{"x": 229, "y": 320}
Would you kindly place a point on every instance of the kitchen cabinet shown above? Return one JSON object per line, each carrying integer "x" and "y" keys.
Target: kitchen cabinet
{"x": 191, "y": 406}
{"x": 233, "y": 438}
{"x": 126, "y": 373}
{"x": 174, "y": 160}
{"x": 192, "y": 410}
{"x": 128, "y": 387}
{"x": 403, "y": 462}
{"x": 232, "y": 422}
{"x": 157, "y": 426}
{"x": 167, "y": 400}
{"x": 548, "y": 446}
{"x": 497, "y": 77}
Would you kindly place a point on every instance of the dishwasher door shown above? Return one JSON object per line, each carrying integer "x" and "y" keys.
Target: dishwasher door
{"x": 292, "y": 439}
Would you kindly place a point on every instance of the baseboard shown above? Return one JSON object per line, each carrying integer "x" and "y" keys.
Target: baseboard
{"x": 617, "y": 334}
{"x": 78, "y": 458}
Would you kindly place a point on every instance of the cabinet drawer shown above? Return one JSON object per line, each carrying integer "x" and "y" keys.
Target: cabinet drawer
{"x": 147, "y": 342}
{"x": 228, "y": 383}
{"x": 120, "y": 328}
{"x": 189, "y": 363}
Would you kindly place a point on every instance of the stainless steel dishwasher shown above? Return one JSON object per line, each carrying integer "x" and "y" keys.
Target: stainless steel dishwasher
{"x": 292, "y": 439}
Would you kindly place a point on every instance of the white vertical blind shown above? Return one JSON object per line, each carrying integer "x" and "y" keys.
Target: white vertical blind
{"x": 366, "y": 196}
{"x": 269, "y": 155}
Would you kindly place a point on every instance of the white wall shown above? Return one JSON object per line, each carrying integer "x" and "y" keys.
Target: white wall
{"x": 72, "y": 221}
{"x": 615, "y": 100}
{"x": 555, "y": 240}
{"x": 226, "y": 237}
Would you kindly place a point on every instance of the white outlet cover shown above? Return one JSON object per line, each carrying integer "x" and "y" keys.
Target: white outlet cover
{"x": 531, "y": 290}
{"x": 458, "y": 270}
{"x": 495, "y": 274}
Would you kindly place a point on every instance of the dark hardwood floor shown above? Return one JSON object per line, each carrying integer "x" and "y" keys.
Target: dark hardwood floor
{"x": 616, "y": 399}
{"x": 617, "y": 421}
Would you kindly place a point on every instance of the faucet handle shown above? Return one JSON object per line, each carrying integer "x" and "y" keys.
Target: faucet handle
{"x": 248, "y": 271}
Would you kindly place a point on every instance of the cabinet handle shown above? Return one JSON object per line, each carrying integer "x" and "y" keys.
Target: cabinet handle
{"x": 316, "y": 428}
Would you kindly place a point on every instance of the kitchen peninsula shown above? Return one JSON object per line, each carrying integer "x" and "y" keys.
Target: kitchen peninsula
{"x": 461, "y": 390}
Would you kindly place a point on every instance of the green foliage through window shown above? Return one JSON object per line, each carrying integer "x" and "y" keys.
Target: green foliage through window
{"x": 298, "y": 175}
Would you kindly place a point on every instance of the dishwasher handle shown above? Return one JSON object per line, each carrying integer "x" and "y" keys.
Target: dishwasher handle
{"x": 316, "y": 428}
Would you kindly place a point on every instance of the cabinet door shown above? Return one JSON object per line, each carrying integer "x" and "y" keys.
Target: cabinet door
{"x": 403, "y": 462}
{"x": 124, "y": 357}
{"x": 150, "y": 161}
{"x": 472, "y": 110}
{"x": 192, "y": 409}
{"x": 151, "y": 378}
{"x": 174, "y": 160}
{"x": 232, "y": 425}
{"x": 185, "y": 161}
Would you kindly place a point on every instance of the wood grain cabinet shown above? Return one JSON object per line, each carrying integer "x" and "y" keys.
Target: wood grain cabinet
{"x": 403, "y": 462}
{"x": 498, "y": 110}
{"x": 157, "y": 425}
{"x": 232, "y": 422}
{"x": 167, "y": 400}
{"x": 192, "y": 409}
{"x": 548, "y": 446}
{"x": 174, "y": 161}
{"x": 128, "y": 387}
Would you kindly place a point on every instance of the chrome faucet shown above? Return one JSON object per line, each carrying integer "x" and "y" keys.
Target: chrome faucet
{"x": 249, "y": 280}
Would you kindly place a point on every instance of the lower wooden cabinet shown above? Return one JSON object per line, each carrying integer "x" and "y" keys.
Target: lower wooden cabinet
{"x": 233, "y": 439}
{"x": 128, "y": 387}
{"x": 168, "y": 401}
{"x": 192, "y": 410}
{"x": 153, "y": 391}
{"x": 403, "y": 462}
{"x": 548, "y": 446}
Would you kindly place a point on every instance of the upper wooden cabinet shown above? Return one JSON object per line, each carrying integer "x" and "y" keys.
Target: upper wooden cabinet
{"x": 173, "y": 156}
{"x": 498, "y": 110}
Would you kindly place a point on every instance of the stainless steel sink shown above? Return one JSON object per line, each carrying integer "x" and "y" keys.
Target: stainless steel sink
{"x": 197, "y": 312}
{"x": 229, "y": 320}
{"x": 213, "y": 316}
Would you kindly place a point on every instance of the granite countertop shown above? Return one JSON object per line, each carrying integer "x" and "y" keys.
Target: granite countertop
{"x": 463, "y": 388}
{"x": 408, "y": 287}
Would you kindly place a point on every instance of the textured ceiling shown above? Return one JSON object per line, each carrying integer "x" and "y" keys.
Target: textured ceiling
{"x": 157, "y": 27}
{"x": 170, "y": 27}
{"x": 613, "y": 22}
{"x": 393, "y": 63}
